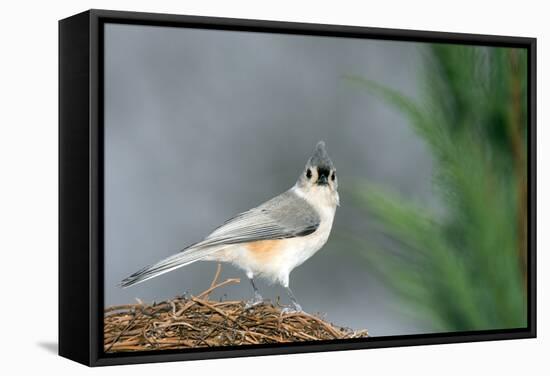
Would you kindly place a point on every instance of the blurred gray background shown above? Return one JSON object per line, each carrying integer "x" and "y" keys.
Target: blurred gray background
{"x": 202, "y": 124}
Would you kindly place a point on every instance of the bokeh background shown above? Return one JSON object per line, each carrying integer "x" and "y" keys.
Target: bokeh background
{"x": 202, "y": 124}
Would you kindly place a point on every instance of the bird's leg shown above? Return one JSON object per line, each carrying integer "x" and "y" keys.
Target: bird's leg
{"x": 297, "y": 307}
{"x": 257, "y": 297}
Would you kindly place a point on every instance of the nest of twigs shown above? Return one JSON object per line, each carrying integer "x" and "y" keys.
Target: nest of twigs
{"x": 196, "y": 321}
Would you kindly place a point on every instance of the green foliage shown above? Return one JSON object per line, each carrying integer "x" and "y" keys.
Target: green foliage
{"x": 462, "y": 269}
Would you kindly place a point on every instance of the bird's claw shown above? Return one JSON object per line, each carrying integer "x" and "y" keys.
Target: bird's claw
{"x": 254, "y": 302}
{"x": 296, "y": 308}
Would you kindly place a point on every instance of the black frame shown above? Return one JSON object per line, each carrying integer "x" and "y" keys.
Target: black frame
{"x": 81, "y": 182}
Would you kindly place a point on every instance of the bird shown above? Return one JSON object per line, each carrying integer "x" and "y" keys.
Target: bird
{"x": 271, "y": 239}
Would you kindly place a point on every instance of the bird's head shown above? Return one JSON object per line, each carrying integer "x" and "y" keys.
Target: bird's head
{"x": 319, "y": 175}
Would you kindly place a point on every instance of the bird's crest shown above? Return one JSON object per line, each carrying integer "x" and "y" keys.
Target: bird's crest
{"x": 320, "y": 157}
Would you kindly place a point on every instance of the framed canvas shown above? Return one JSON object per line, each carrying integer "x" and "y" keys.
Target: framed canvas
{"x": 235, "y": 187}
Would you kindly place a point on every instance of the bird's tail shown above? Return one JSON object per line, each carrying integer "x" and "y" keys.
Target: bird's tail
{"x": 178, "y": 260}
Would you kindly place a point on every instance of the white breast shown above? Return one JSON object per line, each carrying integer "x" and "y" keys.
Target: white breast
{"x": 297, "y": 250}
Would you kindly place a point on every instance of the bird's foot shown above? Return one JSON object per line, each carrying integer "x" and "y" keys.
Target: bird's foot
{"x": 295, "y": 308}
{"x": 254, "y": 301}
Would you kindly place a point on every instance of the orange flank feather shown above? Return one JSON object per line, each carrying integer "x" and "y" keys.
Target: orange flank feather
{"x": 265, "y": 251}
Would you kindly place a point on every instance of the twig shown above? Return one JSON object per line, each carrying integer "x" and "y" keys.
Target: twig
{"x": 215, "y": 280}
{"x": 224, "y": 283}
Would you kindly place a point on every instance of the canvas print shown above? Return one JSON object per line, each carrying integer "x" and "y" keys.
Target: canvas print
{"x": 265, "y": 188}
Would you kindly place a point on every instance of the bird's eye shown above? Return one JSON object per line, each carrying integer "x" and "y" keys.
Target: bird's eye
{"x": 308, "y": 173}
{"x": 333, "y": 176}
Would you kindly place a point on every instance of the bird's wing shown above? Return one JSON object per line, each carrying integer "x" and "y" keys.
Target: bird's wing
{"x": 285, "y": 216}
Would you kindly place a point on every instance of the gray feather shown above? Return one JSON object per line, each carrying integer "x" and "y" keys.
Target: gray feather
{"x": 320, "y": 157}
{"x": 285, "y": 216}
{"x": 185, "y": 257}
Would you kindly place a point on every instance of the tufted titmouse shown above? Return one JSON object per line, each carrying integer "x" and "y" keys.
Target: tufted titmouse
{"x": 271, "y": 239}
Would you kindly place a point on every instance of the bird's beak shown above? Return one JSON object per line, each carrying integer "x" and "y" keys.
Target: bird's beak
{"x": 322, "y": 180}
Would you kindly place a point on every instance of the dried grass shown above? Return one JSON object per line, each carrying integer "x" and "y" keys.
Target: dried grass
{"x": 196, "y": 321}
